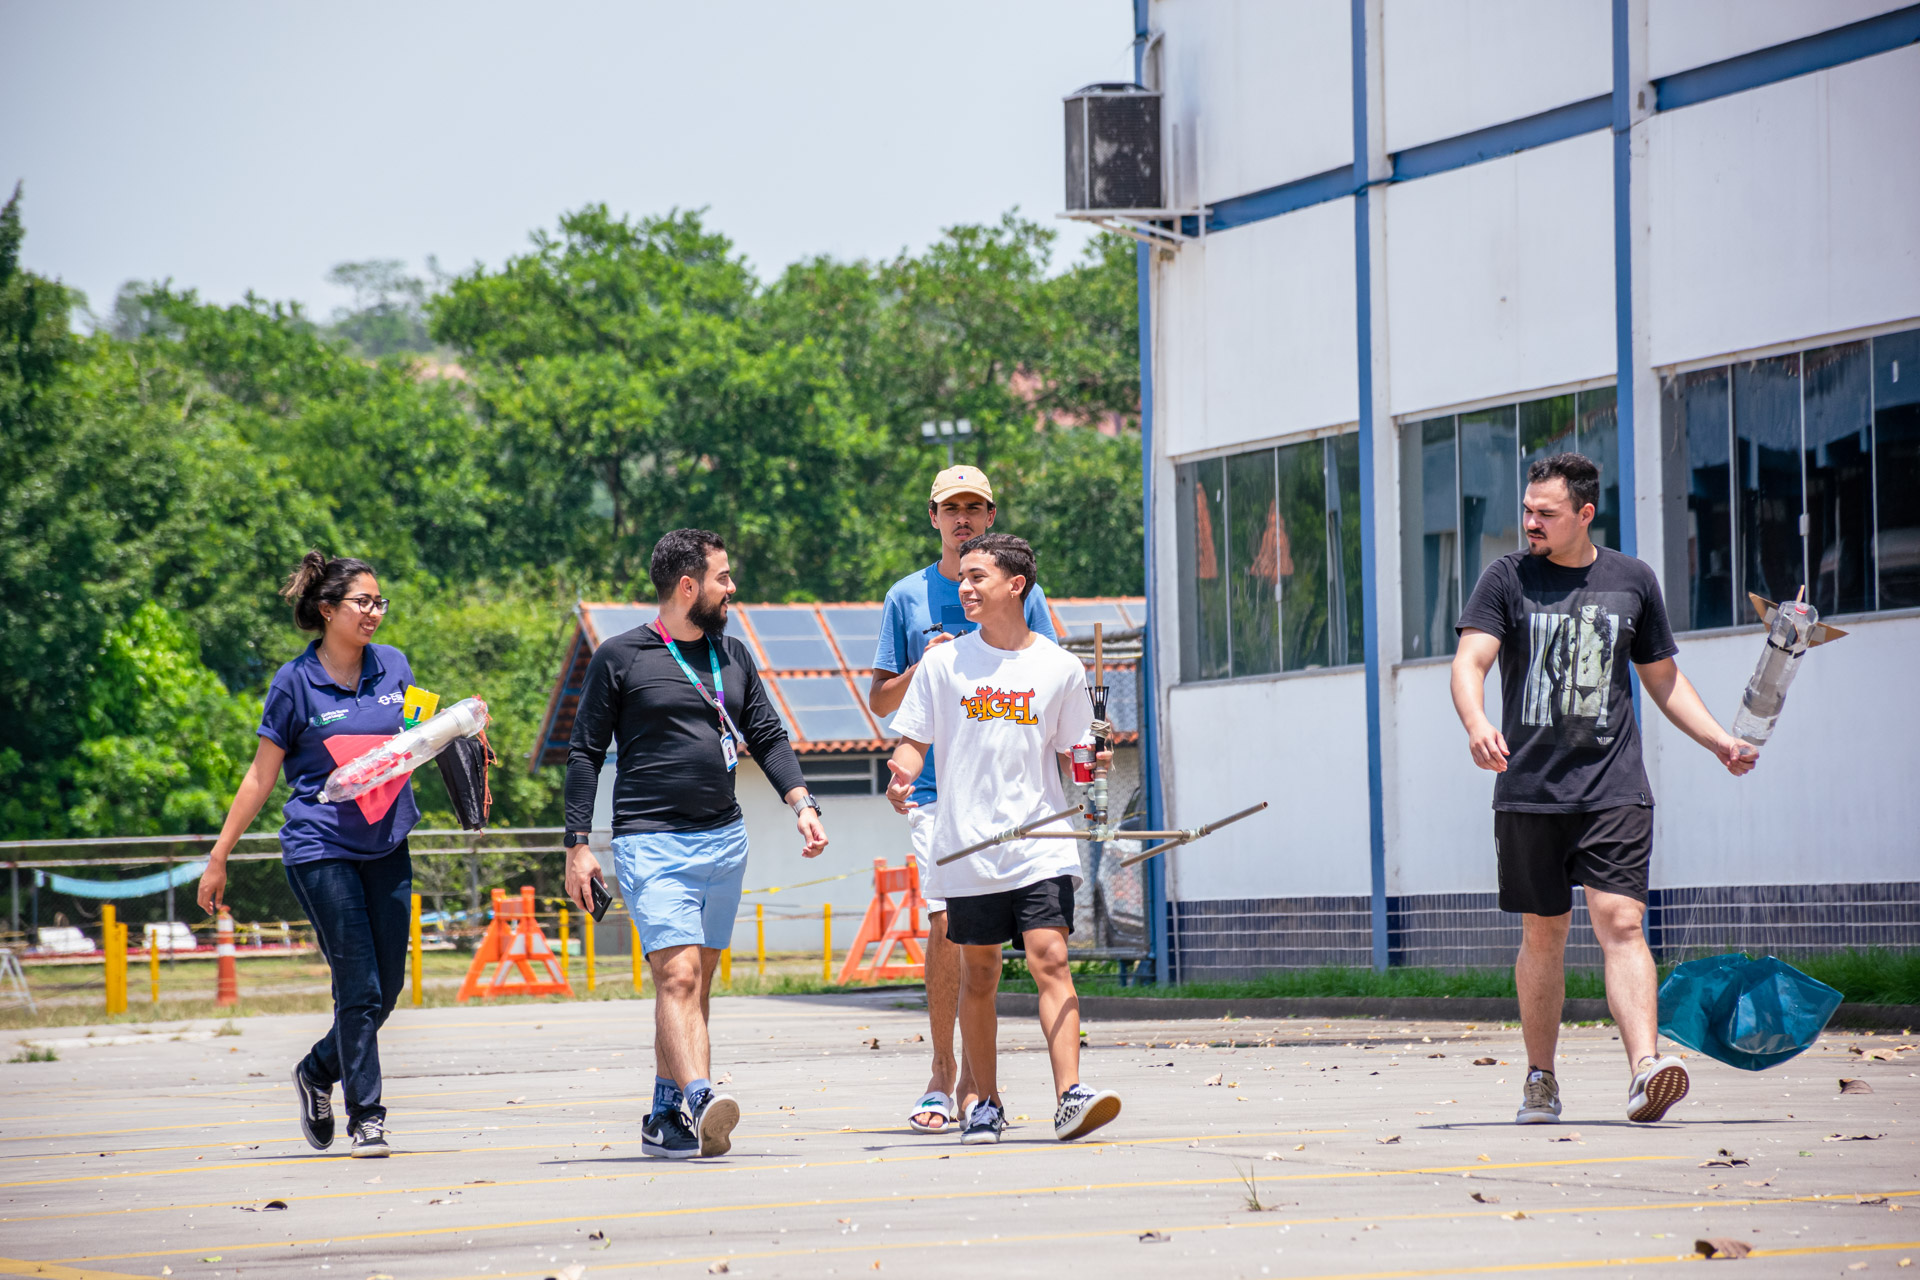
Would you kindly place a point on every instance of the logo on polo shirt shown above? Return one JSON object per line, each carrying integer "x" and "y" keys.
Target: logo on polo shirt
{"x": 326, "y": 718}
{"x": 388, "y": 699}
{"x": 998, "y": 704}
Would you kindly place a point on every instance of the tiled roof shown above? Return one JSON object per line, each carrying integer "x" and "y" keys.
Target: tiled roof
{"x": 815, "y": 659}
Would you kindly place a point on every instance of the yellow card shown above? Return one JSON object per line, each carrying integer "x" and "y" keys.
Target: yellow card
{"x": 419, "y": 705}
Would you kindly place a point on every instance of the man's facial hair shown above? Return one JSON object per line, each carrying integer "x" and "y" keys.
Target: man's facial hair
{"x": 710, "y": 618}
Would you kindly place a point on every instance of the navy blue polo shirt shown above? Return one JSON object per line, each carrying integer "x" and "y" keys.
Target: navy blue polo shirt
{"x": 304, "y": 708}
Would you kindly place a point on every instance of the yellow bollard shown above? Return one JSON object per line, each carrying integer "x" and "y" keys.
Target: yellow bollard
{"x": 566, "y": 961}
{"x": 153, "y": 963}
{"x": 826, "y": 943}
{"x": 726, "y": 966}
{"x": 109, "y": 944}
{"x": 419, "y": 948}
{"x": 760, "y": 937}
{"x": 639, "y": 963}
{"x": 586, "y": 937}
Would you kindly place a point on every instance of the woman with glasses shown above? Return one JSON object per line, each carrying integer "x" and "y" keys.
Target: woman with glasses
{"x": 348, "y": 863}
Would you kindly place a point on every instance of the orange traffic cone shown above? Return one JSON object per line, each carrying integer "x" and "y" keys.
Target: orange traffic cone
{"x": 228, "y": 991}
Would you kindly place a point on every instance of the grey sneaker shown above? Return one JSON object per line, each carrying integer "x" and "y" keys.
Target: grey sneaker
{"x": 1657, "y": 1085}
{"x": 1540, "y": 1100}
{"x": 714, "y": 1115}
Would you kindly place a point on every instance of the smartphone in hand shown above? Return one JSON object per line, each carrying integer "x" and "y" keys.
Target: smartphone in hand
{"x": 601, "y": 898}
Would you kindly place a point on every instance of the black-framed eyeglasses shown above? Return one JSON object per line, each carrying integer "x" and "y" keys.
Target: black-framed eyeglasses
{"x": 368, "y": 604}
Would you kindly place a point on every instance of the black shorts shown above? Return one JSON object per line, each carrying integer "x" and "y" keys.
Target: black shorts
{"x": 995, "y": 919}
{"x": 1543, "y": 855}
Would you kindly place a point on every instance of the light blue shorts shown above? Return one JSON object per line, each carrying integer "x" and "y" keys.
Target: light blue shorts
{"x": 683, "y": 887}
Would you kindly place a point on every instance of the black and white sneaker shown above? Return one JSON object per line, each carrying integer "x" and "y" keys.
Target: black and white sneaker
{"x": 713, "y": 1116}
{"x": 667, "y": 1134}
{"x": 369, "y": 1136}
{"x": 1082, "y": 1110}
{"x": 316, "y": 1111}
{"x": 985, "y": 1121}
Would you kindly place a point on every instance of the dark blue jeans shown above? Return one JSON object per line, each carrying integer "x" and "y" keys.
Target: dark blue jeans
{"x": 360, "y": 910}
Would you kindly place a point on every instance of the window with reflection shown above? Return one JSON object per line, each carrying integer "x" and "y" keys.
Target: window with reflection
{"x": 1269, "y": 558}
{"x": 1462, "y": 478}
{"x": 1802, "y": 470}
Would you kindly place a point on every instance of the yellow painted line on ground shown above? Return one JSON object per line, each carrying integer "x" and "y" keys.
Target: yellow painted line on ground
{"x": 846, "y": 1201}
{"x": 219, "y": 1124}
{"x": 54, "y": 1271}
{"x": 1478, "y": 1269}
{"x": 309, "y": 1159}
{"x": 664, "y": 1169}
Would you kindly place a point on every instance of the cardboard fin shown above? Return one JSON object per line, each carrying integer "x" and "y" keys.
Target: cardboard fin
{"x": 1763, "y": 607}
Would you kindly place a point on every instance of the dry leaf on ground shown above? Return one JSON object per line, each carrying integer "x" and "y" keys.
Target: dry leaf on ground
{"x": 1485, "y": 1062}
{"x": 1153, "y": 1237}
{"x": 1388, "y": 1141}
{"x": 1214, "y": 1078}
{"x": 1854, "y": 1086}
{"x": 1722, "y": 1248}
{"x": 1484, "y": 1198}
{"x": 1853, "y": 1137}
{"x": 1513, "y": 1215}
{"x": 1757, "y": 1182}
{"x": 718, "y": 1268}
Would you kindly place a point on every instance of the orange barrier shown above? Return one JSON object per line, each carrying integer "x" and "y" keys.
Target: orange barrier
{"x": 514, "y": 943}
{"x": 883, "y": 926}
{"x": 227, "y": 986}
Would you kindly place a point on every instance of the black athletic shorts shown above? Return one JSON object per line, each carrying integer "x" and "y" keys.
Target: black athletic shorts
{"x": 1543, "y": 855}
{"x": 995, "y": 919}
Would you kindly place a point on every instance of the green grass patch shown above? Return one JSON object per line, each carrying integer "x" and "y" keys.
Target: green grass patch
{"x": 29, "y": 1053}
{"x": 1876, "y": 976}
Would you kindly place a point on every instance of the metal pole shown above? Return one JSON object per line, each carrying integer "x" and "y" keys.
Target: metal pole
{"x": 639, "y": 973}
{"x": 566, "y": 961}
{"x": 153, "y": 963}
{"x": 586, "y": 940}
{"x": 726, "y": 966}
{"x": 170, "y": 947}
{"x": 760, "y": 938}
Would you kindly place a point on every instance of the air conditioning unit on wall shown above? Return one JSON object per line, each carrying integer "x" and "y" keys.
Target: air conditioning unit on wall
{"x": 1115, "y": 177}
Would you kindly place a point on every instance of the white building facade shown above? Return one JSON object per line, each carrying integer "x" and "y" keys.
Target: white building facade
{"x": 1440, "y": 240}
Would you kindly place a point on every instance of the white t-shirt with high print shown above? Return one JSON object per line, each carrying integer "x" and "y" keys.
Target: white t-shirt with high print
{"x": 997, "y": 718}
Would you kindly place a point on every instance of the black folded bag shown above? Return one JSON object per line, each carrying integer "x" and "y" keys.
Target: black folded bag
{"x": 463, "y": 767}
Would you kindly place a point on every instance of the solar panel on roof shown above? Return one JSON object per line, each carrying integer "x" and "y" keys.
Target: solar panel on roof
{"x": 856, "y": 631}
{"x": 792, "y": 639}
{"x": 1078, "y": 619}
{"x": 826, "y": 708}
{"x": 615, "y": 619}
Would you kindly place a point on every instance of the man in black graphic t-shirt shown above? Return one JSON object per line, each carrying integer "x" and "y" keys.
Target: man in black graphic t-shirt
{"x": 1566, "y": 620}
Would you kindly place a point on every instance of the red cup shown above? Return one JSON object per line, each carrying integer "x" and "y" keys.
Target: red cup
{"x": 1083, "y": 764}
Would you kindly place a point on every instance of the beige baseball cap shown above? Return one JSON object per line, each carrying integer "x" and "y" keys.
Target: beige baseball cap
{"x": 961, "y": 480}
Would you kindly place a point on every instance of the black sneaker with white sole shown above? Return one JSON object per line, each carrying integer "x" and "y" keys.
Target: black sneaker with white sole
{"x": 668, "y": 1135}
{"x": 1082, "y": 1110}
{"x": 713, "y": 1116}
{"x": 316, "y": 1111}
{"x": 985, "y": 1121}
{"x": 369, "y": 1134}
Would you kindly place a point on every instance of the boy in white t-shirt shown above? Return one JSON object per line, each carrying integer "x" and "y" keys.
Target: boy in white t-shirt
{"x": 998, "y": 706}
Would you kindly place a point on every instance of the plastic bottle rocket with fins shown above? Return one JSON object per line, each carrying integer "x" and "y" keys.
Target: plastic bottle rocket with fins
{"x": 1792, "y": 629}
{"x": 405, "y": 751}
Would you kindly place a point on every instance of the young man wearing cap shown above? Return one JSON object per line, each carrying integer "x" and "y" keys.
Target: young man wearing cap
{"x": 922, "y": 610}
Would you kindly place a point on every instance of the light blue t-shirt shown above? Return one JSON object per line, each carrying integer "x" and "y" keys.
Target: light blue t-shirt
{"x": 914, "y": 605}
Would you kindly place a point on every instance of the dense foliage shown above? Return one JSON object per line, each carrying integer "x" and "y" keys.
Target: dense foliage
{"x": 500, "y": 444}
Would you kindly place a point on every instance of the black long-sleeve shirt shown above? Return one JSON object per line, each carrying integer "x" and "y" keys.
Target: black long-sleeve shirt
{"x": 670, "y": 775}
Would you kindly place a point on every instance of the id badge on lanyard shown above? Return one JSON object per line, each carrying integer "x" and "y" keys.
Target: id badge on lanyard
{"x": 729, "y": 750}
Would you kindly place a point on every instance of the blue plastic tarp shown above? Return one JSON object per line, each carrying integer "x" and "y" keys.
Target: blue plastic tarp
{"x": 1748, "y": 1013}
{"x": 114, "y": 890}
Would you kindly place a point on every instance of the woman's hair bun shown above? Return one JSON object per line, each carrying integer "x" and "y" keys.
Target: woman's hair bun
{"x": 318, "y": 579}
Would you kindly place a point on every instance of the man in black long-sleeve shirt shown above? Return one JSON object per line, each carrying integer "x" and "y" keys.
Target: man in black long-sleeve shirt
{"x": 681, "y": 700}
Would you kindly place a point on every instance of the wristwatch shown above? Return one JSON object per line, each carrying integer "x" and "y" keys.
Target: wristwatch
{"x": 808, "y": 802}
{"x": 575, "y": 838}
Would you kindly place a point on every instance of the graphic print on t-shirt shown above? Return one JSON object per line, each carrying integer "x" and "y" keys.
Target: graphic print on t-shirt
{"x": 998, "y": 704}
{"x": 1572, "y": 643}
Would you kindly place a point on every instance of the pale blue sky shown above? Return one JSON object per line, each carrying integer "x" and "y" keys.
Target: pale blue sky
{"x": 249, "y": 145}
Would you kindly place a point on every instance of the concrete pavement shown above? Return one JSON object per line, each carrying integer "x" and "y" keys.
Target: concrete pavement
{"x": 1373, "y": 1149}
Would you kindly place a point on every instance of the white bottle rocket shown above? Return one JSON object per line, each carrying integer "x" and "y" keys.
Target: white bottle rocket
{"x": 405, "y": 752}
{"x": 1792, "y": 629}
